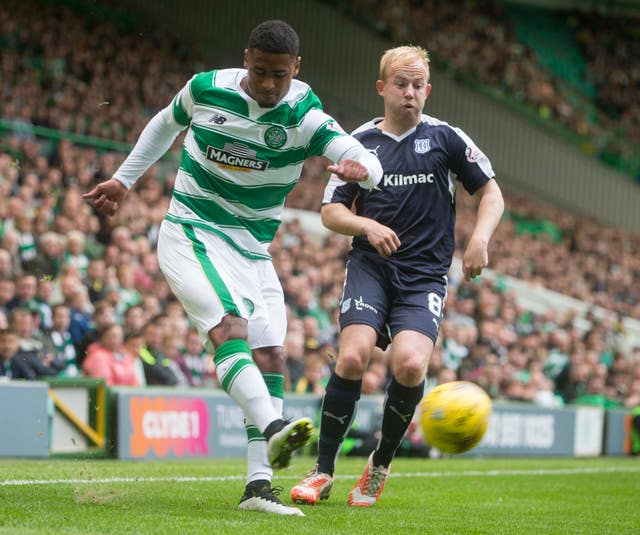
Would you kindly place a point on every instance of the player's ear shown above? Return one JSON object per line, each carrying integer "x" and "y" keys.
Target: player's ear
{"x": 296, "y": 67}
{"x": 380, "y": 87}
{"x": 427, "y": 91}
{"x": 245, "y": 61}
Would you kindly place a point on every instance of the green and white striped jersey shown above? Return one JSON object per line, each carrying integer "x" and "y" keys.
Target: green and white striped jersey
{"x": 239, "y": 160}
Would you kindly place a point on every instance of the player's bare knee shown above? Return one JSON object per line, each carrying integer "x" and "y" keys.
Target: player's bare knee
{"x": 351, "y": 364}
{"x": 410, "y": 371}
{"x": 230, "y": 328}
{"x": 270, "y": 359}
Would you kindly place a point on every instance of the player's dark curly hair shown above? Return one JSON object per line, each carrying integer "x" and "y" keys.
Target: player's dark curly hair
{"x": 274, "y": 37}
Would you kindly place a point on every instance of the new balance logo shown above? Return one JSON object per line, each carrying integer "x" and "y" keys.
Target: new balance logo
{"x": 218, "y": 119}
{"x": 340, "y": 419}
{"x": 404, "y": 417}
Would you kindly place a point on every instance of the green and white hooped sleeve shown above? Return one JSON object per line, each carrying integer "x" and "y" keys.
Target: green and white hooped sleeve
{"x": 156, "y": 139}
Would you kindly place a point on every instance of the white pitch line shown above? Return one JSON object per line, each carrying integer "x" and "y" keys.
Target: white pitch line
{"x": 468, "y": 473}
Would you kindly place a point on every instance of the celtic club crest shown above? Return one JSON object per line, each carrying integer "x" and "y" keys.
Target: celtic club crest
{"x": 275, "y": 137}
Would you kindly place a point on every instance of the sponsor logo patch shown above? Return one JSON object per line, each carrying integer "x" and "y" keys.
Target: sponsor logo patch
{"x": 407, "y": 180}
{"x": 236, "y": 157}
{"x": 361, "y": 305}
{"x": 473, "y": 154}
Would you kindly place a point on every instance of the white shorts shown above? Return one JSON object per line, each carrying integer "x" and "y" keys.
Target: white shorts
{"x": 212, "y": 279}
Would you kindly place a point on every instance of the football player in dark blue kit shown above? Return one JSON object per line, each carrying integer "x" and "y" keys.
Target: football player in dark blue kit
{"x": 396, "y": 275}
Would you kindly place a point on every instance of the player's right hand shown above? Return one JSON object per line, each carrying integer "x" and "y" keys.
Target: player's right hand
{"x": 107, "y": 196}
{"x": 382, "y": 238}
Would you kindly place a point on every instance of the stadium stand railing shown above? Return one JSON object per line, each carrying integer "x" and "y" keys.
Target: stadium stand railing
{"x": 52, "y": 137}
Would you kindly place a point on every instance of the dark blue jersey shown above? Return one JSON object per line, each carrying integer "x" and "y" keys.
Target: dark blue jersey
{"x": 416, "y": 196}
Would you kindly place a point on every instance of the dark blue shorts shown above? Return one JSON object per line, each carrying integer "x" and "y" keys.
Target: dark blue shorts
{"x": 380, "y": 294}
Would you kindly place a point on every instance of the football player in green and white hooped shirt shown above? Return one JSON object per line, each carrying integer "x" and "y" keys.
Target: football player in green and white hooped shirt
{"x": 249, "y": 132}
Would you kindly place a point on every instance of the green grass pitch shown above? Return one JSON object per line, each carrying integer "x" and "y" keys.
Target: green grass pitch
{"x": 443, "y": 496}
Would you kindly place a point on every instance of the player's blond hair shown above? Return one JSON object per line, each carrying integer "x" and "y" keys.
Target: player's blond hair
{"x": 402, "y": 55}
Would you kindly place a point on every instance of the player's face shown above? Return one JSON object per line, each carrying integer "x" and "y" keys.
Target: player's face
{"x": 269, "y": 76}
{"x": 405, "y": 90}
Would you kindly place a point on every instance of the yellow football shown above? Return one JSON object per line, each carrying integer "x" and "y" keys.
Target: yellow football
{"x": 455, "y": 416}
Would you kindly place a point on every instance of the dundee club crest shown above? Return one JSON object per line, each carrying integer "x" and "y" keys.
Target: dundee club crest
{"x": 421, "y": 146}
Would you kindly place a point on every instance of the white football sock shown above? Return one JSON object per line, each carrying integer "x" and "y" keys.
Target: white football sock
{"x": 242, "y": 380}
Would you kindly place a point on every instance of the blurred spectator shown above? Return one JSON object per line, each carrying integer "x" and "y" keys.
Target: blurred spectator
{"x": 27, "y": 249}
{"x": 18, "y": 364}
{"x": 171, "y": 346}
{"x": 133, "y": 343}
{"x": 23, "y": 322}
{"x": 74, "y": 253}
{"x": 128, "y": 295}
{"x": 375, "y": 378}
{"x": 81, "y": 310}
{"x": 96, "y": 279}
{"x": 49, "y": 258}
{"x": 9, "y": 266}
{"x": 372, "y": 383}
{"x": 314, "y": 376}
{"x": 157, "y": 365}
{"x": 294, "y": 351}
{"x": 8, "y": 348}
{"x": 26, "y": 289}
{"x": 198, "y": 361}
{"x": 107, "y": 359}
{"x": 103, "y": 316}
{"x": 134, "y": 319}
{"x": 64, "y": 350}
{"x": 595, "y": 394}
{"x": 7, "y": 293}
{"x": 42, "y": 300}
{"x": 311, "y": 332}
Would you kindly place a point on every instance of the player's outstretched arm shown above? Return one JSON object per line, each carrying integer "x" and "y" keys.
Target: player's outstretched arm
{"x": 490, "y": 209}
{"x": 156, "y": 138}
{"x": 337, "y": 217}
{"x": 107, "y": 196}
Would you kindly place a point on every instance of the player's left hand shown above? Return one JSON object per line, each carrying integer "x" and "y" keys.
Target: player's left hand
{"x": 383, "y": 239}
{"x": 475, "y": 259}
{"x": 349, "y": 171}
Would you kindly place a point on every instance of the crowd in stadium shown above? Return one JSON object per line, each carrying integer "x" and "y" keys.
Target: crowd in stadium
{"x": 51, "y": 81}
{"x": 70, "y": 278}
{"x": 78, "y": 289}
{"x": 59, "y": 79}
{"x": 480, "y": 43}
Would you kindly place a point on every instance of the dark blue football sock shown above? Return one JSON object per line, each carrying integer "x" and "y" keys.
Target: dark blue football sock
{"x": 400, "y": 404}
{"x": 338, "y": 408}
